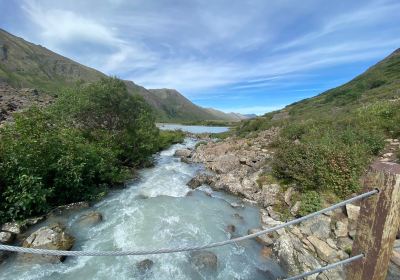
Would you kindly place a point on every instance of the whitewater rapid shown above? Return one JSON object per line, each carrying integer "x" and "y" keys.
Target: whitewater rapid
{"x": 155, "y": 211}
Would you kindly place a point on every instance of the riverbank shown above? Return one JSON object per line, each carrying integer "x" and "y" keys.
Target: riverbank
{"x": 241, "y": 167}
{"x": 157, "y": 210}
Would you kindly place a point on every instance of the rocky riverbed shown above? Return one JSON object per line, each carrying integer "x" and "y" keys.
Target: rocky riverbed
{"x": 238, "y": 166}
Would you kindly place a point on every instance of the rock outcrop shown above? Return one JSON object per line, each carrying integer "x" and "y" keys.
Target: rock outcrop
{"x": 236, "y": 165}
{"x": 51, "y": 237}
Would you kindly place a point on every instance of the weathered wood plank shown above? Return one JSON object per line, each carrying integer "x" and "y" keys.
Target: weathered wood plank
{"x": 378, "y": 223}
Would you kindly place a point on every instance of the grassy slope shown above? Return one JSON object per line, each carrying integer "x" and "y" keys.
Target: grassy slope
{"x": 378, "y": 83}
{"x": 23, "y": 64}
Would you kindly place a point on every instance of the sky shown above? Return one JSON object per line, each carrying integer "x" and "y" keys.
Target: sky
{"x": 242, "y": 56}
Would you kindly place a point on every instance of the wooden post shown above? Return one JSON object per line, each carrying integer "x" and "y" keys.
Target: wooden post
{"x": 378, "y": 223}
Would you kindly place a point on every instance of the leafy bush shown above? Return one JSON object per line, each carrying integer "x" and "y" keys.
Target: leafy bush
{"x": 169, "y": 137}
{"x": 330, "y": 156}
{"x": 310, "y": 202}
{"x": 88, "y": 140}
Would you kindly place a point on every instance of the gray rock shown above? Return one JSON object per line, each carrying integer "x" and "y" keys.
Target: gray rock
{"x": 274, "y": 215}
{"x": 393, "y": 272}
{"x": 200, "y": 179}
{"x": 49, "y": 237}
{"x": 296, "y": 208}
{"x": 90, "y": 219}
{"x": 341, "y": 228}
{"x": 352, "y": 212}
{"x": 183, "y": 153}
{"x": 319, "y": 226}
{"x": 144, "y": 266}
{"x": 6, "y": 237}
{"x": 269, "y": 194}
{"x": 262, "y": 239}
{"x": 225, "y": 163}
{"x": 288, "y": 196}
{"x": 292, "y": 256}
{"x": 324, "y": 251}
{"x": 344, "y": 243}
{"x": 204, "y": 260}
{"x": 231, "y": 228}
{"x": 13, "y": 228}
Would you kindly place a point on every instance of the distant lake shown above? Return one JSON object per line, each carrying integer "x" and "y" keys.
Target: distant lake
{"x": 193, "y": 128}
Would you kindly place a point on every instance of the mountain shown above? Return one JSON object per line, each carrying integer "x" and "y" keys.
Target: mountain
{"x": 177, "y": 107}
{"x": 378, "y": 83}
{"x": 228, "y": 116}
{"x": 26, "y": 65}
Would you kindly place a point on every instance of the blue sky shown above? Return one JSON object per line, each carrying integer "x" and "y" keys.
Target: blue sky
{"x": 243, "y": 56}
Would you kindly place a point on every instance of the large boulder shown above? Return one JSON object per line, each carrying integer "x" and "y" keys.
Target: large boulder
{"x": 51, "y": 237}
{"x": 204, "y": 260}
{"x": 89, "y": 219}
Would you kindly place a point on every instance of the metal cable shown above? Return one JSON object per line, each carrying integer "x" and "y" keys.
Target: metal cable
{"x": 186, "y": 248}
{"x": 329, "y": 266}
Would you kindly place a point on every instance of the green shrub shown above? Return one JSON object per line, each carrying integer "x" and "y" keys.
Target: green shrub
{"x": 89, "y": 139}
{"x": 310, "y": 202}
{"x": 330, "y": 156}
{"x": 169, "y": 137}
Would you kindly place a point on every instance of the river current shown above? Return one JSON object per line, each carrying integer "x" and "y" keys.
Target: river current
{"x": 155, "y": 211}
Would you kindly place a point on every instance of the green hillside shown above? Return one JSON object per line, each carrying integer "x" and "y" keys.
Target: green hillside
{"x": 26, "y": 65}
{"x": 326, "y": 143}
{"x": 379, "y": 83}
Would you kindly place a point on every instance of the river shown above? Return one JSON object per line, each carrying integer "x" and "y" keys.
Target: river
{"x": 158, "y": 210}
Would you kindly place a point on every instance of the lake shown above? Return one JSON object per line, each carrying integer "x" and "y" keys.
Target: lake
{"x": 193, "y": 128}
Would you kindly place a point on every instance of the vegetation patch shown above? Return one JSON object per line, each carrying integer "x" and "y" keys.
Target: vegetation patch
{"x": 91, "y": 138}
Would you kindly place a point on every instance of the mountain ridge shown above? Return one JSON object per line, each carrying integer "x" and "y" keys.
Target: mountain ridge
{"x": 27, "y": 65}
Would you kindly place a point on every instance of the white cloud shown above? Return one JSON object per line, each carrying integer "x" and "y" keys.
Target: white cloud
{"x": 197, "y": 46}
